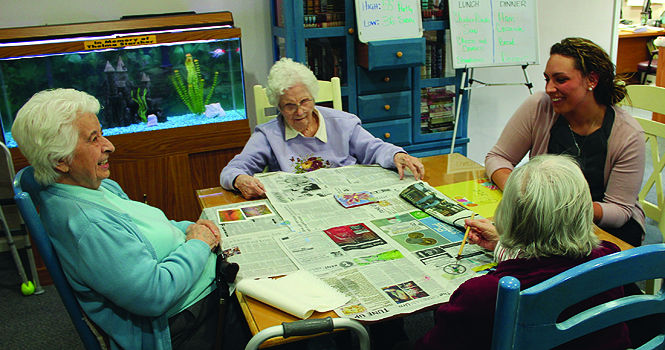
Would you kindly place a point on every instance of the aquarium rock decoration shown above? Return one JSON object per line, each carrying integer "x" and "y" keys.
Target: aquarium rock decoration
{"x": 121, "y": 107}
{"x": 191, "y": 93}
{"x": 214, "y": 110}
{"x": 152, "y": 120}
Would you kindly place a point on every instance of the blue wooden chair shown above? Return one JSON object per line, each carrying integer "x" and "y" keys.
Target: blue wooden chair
{"x": 26, "y": 191}
{"x": 528, "y": 319}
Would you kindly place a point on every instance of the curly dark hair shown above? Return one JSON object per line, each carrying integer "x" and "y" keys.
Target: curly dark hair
{"x": 589, "y": 58}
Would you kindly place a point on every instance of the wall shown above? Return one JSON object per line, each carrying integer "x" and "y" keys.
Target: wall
{"x": 490, "y": 106}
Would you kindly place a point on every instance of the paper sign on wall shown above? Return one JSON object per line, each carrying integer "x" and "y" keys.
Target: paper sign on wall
{"x": 388, "y": 19}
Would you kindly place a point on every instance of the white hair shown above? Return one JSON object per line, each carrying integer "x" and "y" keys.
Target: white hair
{"x": 45, "y": 132}
{"x": 547, "y": 210}
{"x": 286, "y": 74}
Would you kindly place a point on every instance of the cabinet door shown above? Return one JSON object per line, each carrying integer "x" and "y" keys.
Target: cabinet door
{"x": 397, "y": 132}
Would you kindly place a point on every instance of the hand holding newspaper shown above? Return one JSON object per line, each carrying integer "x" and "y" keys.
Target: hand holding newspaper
{"x": 299, "y": 294}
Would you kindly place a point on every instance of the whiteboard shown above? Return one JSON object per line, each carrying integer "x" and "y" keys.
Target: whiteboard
{"x": 488, "y": 33}
{"x": 388, "y": 19}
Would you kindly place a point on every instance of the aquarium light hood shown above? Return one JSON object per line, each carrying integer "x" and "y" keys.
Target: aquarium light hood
{"x": 81, "y": 38}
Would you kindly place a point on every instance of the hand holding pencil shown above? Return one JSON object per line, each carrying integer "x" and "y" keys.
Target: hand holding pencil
{"x": 482, "y": 232}
{"x": 466, "y": 235}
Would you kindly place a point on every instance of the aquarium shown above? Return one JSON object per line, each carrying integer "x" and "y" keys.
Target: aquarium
{"x": 144, "y": 80}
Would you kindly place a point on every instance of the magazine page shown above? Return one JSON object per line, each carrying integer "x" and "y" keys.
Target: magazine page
{"x": 431, "y": 201}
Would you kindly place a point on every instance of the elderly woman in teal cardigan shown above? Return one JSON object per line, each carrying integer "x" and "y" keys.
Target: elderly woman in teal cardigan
{"x": 137, "y": 275}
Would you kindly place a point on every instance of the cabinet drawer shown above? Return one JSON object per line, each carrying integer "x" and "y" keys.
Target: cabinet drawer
{"x": 385, "y": 80}
{"x": 391, "y": 53}
{"x": 397, "y": 132}
{"x": 392, "y": 105}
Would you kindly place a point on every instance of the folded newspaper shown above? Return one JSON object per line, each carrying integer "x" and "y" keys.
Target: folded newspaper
{"x": 436, "y": 204}
{"x": 299, "y": 293}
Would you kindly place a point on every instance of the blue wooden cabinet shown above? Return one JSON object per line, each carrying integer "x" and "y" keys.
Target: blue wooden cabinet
{"x": 381, "y": 80}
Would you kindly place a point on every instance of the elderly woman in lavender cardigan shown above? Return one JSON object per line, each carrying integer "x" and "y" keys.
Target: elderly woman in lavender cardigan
{"x": 305, "y": 137}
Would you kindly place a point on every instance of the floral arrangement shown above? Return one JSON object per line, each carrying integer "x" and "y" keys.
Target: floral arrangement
{"x": 191, "y": 93}
{"x": 309, "y": 164}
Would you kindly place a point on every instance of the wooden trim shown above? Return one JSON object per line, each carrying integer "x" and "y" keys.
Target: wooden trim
{"x": 78, "y": 46}
{"x": 161, "y": 143}
{"x": 165, "y": 21}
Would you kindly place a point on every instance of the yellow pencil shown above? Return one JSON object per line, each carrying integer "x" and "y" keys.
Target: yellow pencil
{"x": 466, "y": 235}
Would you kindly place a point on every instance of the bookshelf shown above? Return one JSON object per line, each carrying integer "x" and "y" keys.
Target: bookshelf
{"x": 409, "y": 100}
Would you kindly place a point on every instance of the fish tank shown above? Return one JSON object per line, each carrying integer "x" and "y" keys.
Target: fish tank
{"x": 148, "y": 74}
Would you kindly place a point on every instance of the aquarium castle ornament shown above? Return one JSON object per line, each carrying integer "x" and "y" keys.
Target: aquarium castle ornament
{"x": 192, "y": 93}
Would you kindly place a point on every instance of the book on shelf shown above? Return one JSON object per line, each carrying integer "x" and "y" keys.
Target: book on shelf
{"x": 434, "y": 9}
{"x": 437, "y": 109}
{"x": 279, "y": 11}
{"x": 317, "y": 13}
{"x": 434, "y": 59}
{"x": 325, "y": 56}
{"x": 323, "y": 13}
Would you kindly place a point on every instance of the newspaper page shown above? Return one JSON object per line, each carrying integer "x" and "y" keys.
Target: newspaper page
{"x": 307, "y": 201}
{"x": 388, "y": 256}
{"x": 258, "y": 255}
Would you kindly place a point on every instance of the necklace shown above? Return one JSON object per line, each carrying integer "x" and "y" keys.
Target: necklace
{"x": 572, "y": 134}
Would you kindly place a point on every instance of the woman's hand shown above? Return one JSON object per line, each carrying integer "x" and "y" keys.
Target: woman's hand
{"x": 249, "y": 186}
{"x": 482, "y": 233}
{"x": 403, "y": 160}
{"x": 204, "y": 230}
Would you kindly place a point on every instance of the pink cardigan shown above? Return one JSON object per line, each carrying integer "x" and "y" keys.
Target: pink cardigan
{"x": 528, "y": 130}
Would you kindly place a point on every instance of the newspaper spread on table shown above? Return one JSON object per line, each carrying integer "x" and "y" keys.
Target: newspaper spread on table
{"x": 388, "y": 256}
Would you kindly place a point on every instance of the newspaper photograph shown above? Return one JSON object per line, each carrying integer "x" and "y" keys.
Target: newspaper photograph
{"x": 246, "y": 217}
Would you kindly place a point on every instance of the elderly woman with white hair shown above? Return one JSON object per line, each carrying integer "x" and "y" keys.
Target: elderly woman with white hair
{"x": 544, "y": 226}
{"x": 305, "y": 137}
{"x": 146, "y": 281}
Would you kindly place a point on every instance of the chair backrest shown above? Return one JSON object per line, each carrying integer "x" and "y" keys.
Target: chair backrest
{"x": 26, "y": 191}
{"x": 652, "y": 98}
{"x": 528, "y": 319}
{"x": 329, "y": 91}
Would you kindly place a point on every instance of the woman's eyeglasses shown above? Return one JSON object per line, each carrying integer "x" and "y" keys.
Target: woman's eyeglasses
{"x": 293, "y": 107}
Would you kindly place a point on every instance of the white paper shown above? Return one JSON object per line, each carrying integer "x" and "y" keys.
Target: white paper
{"x": 299, "y": 293}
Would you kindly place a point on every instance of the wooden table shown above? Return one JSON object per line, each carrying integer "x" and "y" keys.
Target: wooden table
{"x": 439, "y": 170}
{"x": 632, "y": 49}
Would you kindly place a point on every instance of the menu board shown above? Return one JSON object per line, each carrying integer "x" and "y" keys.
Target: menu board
{"x": 488, "y": 33}
{"x": 388, "y": 19}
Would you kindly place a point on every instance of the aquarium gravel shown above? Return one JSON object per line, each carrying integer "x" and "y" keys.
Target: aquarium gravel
{"x": 170, "y": 123}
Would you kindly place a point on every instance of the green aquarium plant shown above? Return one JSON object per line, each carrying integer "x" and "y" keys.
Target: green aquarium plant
{"x": 191, "y": 93}
{"x": 141, "y": 101}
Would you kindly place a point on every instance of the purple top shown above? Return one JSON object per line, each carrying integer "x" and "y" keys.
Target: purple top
{"x": 528, "y": 130}
{"x": 347, "y": 143}
{"x": 467, "y": 320}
